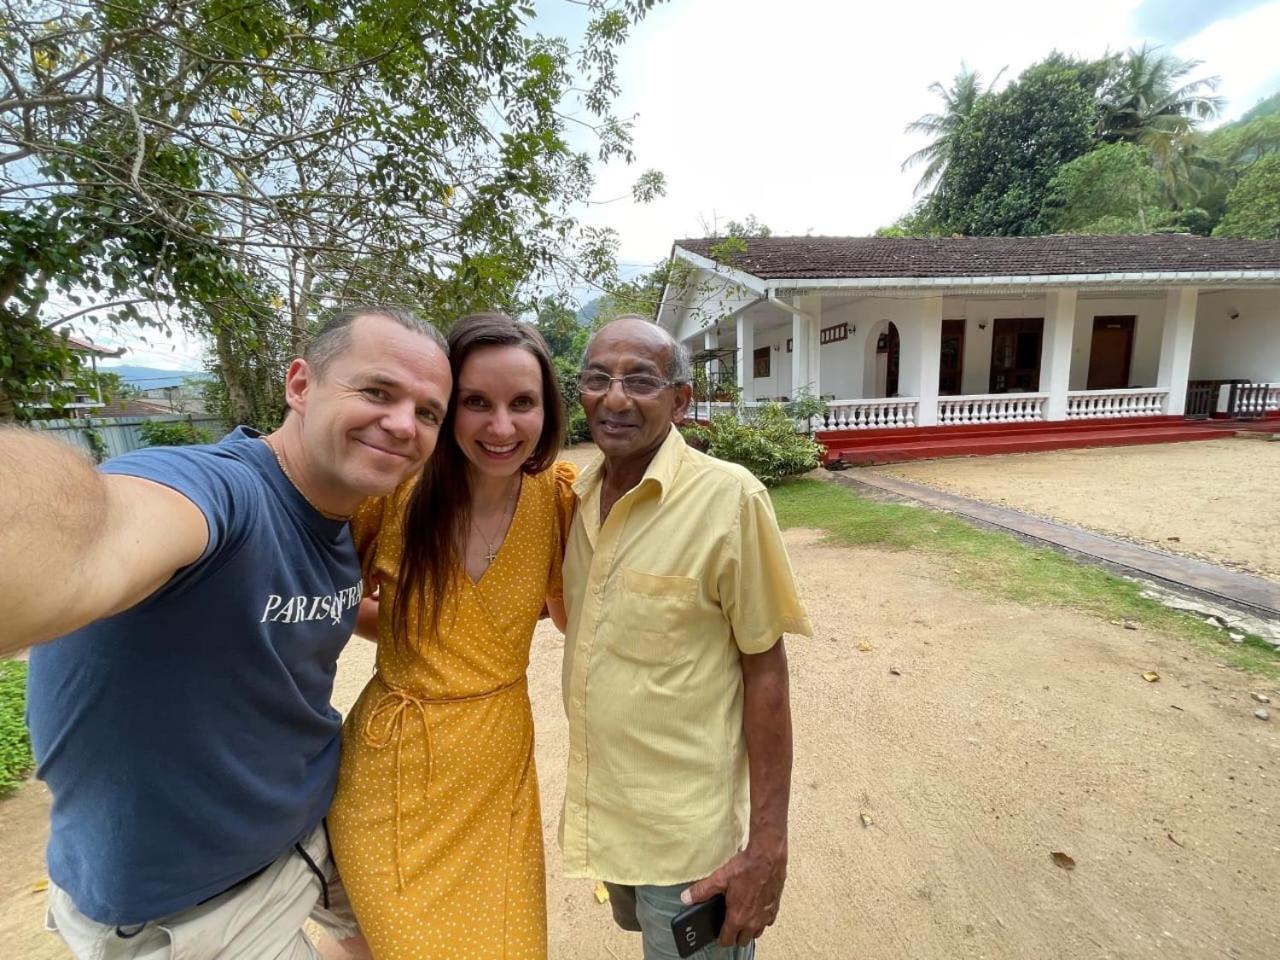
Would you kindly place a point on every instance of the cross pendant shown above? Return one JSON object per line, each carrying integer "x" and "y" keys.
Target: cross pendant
{"x": 491, "y": 555}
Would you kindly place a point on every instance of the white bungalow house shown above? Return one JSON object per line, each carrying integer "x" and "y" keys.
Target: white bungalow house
{"x": 950, "y": 334}
{"x": 87, "y": 398}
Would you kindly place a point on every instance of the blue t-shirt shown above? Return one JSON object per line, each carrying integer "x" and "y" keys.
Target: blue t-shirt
{"x": 189, "y": 741}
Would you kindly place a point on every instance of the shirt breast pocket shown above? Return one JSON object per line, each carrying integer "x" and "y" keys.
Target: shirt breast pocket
{"x": 654, "y": 615}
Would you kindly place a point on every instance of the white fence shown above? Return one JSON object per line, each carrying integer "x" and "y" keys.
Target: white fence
{"x": 119, "y": 434}
{"x": 979, "y": 408}
{"x": 1104, "y": 404}
{"x": 877, "y": 414}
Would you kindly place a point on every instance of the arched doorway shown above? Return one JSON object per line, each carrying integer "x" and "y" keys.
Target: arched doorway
{"x": 884, "y": 351}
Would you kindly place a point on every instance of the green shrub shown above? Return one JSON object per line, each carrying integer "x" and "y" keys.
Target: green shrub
{"x": 768, "y": 446}
{"x": 15, "y": 745}
{"x": 173, "y": 433}
{"x": 575, "y": 421}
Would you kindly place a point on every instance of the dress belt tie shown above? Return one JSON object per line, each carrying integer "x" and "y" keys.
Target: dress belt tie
{"x": 386, "y": 723}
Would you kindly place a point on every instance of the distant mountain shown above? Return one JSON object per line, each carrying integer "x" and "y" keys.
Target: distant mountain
{"x": 1264, "y": 108}
{"x": 590, "y": 310}
{"x": 150, "y": 378}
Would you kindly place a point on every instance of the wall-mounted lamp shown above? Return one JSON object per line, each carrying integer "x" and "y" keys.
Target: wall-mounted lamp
{"x": 853, "y": 328}
{"x": 982, "y": 324}
{"x": 1234, "y": 314}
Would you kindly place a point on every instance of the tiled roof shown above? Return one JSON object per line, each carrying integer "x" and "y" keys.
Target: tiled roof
{"x": 84, "y": 346}
{"x": 779, "y": 258}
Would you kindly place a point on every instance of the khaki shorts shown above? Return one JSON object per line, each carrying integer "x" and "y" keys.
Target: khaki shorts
{"x": 258, "y": 920}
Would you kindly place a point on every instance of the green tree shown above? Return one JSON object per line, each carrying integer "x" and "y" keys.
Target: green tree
{"x": 1253, "y": 206}
{"x": 1148, "y": 99}
{"x": 1109, "y": 190}
{"x": 251, "y": 166}
{"x": 1011, "y": 145}
{"x": 958, "y": 102}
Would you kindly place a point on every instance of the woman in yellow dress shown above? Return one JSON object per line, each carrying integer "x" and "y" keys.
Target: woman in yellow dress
{"x": 436, "y": 826}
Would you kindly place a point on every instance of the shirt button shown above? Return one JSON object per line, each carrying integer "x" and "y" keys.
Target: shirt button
{"x": 578, "y": 703}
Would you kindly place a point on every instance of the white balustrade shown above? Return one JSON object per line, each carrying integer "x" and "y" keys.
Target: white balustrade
{"x": 991, "y": 408}
{"x": 878, "y": 414}
{"x": 1110, "y": 404}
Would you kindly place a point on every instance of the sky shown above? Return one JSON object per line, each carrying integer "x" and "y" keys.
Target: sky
{"x": 794, "y": 111}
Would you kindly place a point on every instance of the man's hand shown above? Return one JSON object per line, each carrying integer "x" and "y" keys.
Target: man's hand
{"x": 752, "y": 886}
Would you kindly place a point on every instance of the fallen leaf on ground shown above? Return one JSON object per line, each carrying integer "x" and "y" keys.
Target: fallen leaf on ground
{"x": 864, "y": 645}
{"x": 895, "y": 671}
{"x": 866, "y": 819}
{"x": 1176, "y": 840}
{"x": 1151, "y": 676}
{"x": 602, "y": 893}
{"x": 1062, "y": 860}
{"x": 1260, "y": 697}
{"x": 40, "y": 887}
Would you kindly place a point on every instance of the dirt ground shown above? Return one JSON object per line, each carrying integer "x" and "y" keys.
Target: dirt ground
{"x": 1211, "y": 499}
{"x": 1010, "y": 733}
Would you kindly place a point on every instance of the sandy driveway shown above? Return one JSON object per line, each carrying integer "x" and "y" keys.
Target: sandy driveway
{"x": 1212, "y": 499}
{"x": 1010, "y": 733}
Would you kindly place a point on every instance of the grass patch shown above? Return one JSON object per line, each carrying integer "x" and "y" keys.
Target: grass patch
{"x": 1002, "y": 565}
{"x": 15, "y": 746}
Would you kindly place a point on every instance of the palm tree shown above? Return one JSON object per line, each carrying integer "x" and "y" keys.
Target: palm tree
{"x": 958, "y": 102}
{"x": 1147, "y": 99}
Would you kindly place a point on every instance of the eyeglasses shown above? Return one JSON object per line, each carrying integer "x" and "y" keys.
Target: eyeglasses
{"x": 638, "y": 386}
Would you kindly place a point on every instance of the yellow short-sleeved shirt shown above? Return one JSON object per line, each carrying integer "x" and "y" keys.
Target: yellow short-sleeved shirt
{"x": 687, "y": 570}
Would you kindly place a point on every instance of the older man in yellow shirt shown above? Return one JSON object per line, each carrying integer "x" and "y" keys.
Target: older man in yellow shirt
{"x": 678, "y": 590}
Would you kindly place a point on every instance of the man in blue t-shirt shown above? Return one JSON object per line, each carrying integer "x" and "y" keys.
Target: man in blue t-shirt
{"x": 200, "y": 597}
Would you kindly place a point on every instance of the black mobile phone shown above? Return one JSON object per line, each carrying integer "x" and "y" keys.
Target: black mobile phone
{"x": 698, "y": 926}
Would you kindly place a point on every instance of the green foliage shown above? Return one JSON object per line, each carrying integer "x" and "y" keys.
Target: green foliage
{"x": 1253, "y": 206}
{"x": 15, "y": 745}
{"x": 768, "y": 446}
{"x": 1148, "y": 99}
{"x": 1110, "y": 190}
{"x": 97, "y": 446}
{"x": 172, "y": 433}
{"x": 918, "y": 222}
{"x": 958, "y": 101}
{"x": 250, "y": 166}
{"x": 1011, "y": 145}
{"x": 806, "y": 408}
{"x": 1002, "y": 161}
{"x": 575, "y": 419}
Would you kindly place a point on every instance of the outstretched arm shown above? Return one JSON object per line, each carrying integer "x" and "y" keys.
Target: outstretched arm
{"x": 76, "y": 545}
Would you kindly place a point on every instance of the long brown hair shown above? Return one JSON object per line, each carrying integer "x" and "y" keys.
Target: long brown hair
{"x": 438, "y": 513}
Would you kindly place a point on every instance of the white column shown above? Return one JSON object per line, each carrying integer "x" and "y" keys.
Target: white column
{"x": 711, "y": 341}
{"x": 800, "y": 334}
{"x": 1175, "y": 346}
{"x": 746, "y": 348}
{"x": 920, "y": 360}
{"x": 812, "y": 306}
{"x": 1055, "y": 351}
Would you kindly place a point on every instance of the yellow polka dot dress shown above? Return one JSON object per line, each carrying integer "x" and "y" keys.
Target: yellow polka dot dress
{"x": 436, "y": 827}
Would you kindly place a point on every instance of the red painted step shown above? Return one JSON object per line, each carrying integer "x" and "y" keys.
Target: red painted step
{"x": 886, "y": 450}
{"x": 1000, "y": 429}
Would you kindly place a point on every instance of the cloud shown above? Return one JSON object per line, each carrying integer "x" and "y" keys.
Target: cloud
{"x": 1171, "y": 21}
